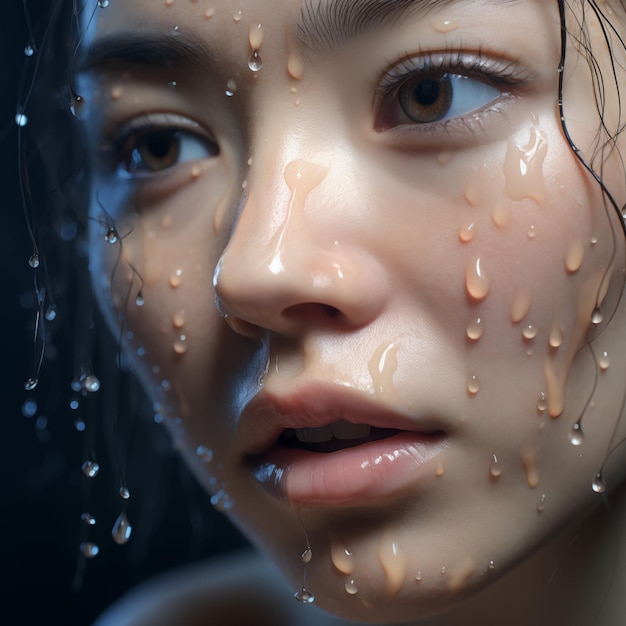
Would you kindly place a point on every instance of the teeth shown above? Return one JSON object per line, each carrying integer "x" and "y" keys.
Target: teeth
{"x": 340, "y": 430}
{"x": 346, "y": 430}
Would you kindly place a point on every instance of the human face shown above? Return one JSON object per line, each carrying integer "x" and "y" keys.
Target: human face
{"x": 397, "y": 235}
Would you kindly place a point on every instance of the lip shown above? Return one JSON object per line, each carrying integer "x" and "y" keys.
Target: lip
{"x": 354, "y": 476}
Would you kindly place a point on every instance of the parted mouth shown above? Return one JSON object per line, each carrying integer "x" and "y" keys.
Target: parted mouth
{"x": 333, "y": 437}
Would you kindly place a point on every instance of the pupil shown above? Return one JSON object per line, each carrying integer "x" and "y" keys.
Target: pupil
{"x": 427, "y": 92}
{"x": 160, "y": 144}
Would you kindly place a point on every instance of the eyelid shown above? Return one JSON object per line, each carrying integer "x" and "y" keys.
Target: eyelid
{"x": 508, "y": 76}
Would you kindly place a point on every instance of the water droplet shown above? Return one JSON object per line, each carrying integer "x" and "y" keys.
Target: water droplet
{"x": 237, "y": 16}
{"x": 492, "y": 565}
{"x": 542, "y": 403}
{"x": 222, "y": 501}
{"x": 80, "y": 425}
{"x": 541, "y": 503}
{"x": 604, "y": 362}
{"x": 74, "y": 405}
{"x": 140, "y": 300}
{"x": 121, "y": 529}
{"x": 77, "y": 105}
{"x": 304, "y": 596}
{"x": 209, "y": 13}
{"x": 467, "y": 232}
{"x": 89, "y": 519}
{"x": 599, "y": 484}
{"x": 205, "y": 454}
{"x": 231, "y": 88}
{"x": 51, "y": 313}
{"x": 124, "y": 492}
{"x": 556, "y": 337}
{"x": 21, "y": 119}
{"x": 532, "y": 232}
{"x": 576, "y": 435}
{"x": 597, "y": 316}
{"x": 34, "y": 261}
{"x": 529, "y": 332}
{"x": 418, "y": 577}
{"x": 89, "y": 550}
{"x": 103, "y": 4}
{"x": 91, "y": 384}
{"x": 180, "y": 319}
{"x": 307, "y": 555}
{"x": 255, "y": 63}
{"x": 476, "y": 282}
{"x": 495, "y": 470}
{"x": 30, "y": 384}
{"x": 29, "y": 408}
{"x": 90, "y": 469}
{"x": 176, "y": 279}
{"x": 29, "y": 50}
{"x": 180, "y": 345}
{"x": 475, "y": 329}
{"x": 111, "y": 236}
{"x": 172, "y": 84}
{"x": 351, "y": 587}
{"x": 443, "y": 570}
{"x": 473, "y": 386}
{"x": 175, "y": 32}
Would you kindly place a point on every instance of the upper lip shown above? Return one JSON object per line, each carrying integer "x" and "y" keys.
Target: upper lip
{"x": 318, "y": 404}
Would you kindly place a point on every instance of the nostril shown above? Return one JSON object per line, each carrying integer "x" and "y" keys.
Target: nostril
{"x": 311, "y": 311}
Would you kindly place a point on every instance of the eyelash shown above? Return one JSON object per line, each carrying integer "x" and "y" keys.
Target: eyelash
{"x": 508, "y": 77}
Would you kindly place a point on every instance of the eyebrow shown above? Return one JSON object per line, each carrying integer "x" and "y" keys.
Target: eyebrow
{"x": 324, "y": 26}
{"x": 149, "y": 50}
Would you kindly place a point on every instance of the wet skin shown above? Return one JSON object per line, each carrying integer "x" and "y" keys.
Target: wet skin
{"x": 321, "y": 238}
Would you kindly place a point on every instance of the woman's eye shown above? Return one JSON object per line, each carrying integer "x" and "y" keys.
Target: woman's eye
{"x": 427, "y": 98}
{"x": 157, "y": 150}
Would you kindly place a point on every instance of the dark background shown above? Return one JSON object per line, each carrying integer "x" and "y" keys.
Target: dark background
{"x": 43, "y": 489}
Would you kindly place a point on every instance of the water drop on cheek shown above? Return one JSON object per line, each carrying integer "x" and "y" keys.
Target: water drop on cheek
{"x": 523, "y": 168}
{"x": 541, "y": 505}
{"x": 255, "y": 63}
{"x": 342, "y": 559}
{"x": 604, "y": 362}
{"x": 176, "y": 279}
{"x": 467, "y": 232}
{"x": 209, "y": 13}
{"x": 528, "y": 459}
{"x": 351, "y": 587}
{"x": 576, "y": 435}
{"x": 476, "y": 282}
{"x": 475, "y": 329}
{"x": 520, "y": 306}
{"x": 180, "y": 345}
{"x": 495, "y": 470}
{"x": 231, "y": 88}
{"x": 574, "y": 256}
{"x": 529, "y": 332}
{"x": 473, "y": 386}
{"x": 179, "y": 319}
{"x": 501, "y": 216}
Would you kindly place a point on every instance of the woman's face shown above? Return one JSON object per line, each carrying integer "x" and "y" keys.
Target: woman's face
{"x": 357, "y": 266}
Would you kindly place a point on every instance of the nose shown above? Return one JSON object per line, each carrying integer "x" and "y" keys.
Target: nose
{"x": 291, "y": 264}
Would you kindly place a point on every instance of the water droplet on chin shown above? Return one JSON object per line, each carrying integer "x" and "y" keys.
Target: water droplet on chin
{"x": 351, "y": 587}
{"x": 307, "y": 555}
{"x": 34, "y": 261}
{"x": 90, "y": 469}
{"x": 121, "y": 529}
{"x": 598, "y": 484}
{"x": 91, "y": 384}
{"x": 255, "y": 63}
{"x": 89, "y": 550}
{"x": 304, "y": 596}
{"x": 576, "y": 436}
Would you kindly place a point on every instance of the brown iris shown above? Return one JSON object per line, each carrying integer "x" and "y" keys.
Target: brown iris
{"x": 157, "y": 150}
{"x": 426, "y": 98}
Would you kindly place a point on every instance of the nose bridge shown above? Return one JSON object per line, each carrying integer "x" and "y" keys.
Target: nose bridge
{"x": 284, "y": 263}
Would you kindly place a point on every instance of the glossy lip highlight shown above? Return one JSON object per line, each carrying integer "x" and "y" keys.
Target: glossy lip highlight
{"x": 354, "y": 476}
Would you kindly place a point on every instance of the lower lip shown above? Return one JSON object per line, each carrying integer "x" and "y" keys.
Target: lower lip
{"x": 351, "y": 477}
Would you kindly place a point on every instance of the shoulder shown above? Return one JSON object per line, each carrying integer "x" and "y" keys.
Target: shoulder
{"x": 238, "y": 589}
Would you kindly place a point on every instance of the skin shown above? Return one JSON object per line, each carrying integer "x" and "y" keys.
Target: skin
{"x": 394, "y": 242}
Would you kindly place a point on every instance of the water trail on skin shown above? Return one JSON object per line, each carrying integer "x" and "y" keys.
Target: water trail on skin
{"x": 304, "y": 596}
